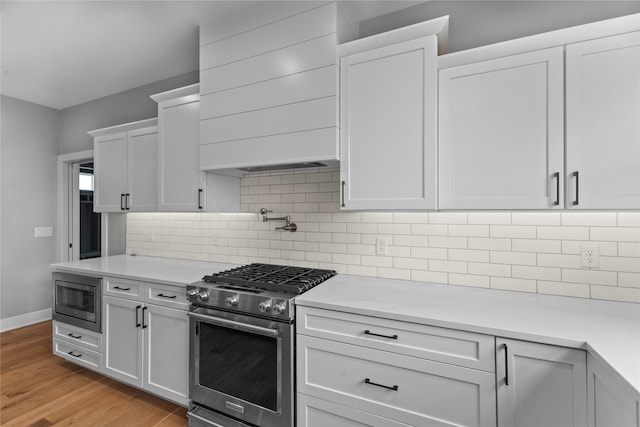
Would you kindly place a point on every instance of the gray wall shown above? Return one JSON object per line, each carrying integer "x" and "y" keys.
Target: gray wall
{"x": 124, "y": 107}
{"x": 28, "y": 157}
{"x": 477, "y": 23}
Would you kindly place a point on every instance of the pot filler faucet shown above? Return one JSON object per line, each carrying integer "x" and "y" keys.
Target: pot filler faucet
{"x": 288, "y": 226}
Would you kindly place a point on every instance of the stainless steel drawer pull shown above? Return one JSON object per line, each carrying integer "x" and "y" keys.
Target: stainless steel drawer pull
{"x": 343, "y": 184}
{"x": 166, "y": 296}
{"x": 368, "y": 381}
{"x": 391, "y": 337}
{"x": 576, "y": 176}
{"x": 70, "y": 334}
{"x": 71, "y": 353}
{"x": 121, "y": 289}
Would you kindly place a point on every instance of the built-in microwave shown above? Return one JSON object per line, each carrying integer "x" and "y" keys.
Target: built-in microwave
{"x": 77, "y": 300}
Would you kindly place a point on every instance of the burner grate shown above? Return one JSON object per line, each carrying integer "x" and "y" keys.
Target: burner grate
{"x": 294, "y": 280}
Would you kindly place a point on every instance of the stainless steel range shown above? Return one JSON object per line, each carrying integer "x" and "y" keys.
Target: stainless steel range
{"x": 242, "y": 344}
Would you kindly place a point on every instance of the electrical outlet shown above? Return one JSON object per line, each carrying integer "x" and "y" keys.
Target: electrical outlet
{"x": 381, "y": 245}
{"x": 590, "y": 256}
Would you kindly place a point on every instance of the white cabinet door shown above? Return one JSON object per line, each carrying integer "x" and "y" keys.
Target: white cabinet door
{"x": 612, "y": 401}
{"x": 501, "y": 133}
{"x": 540, "y": 385}
{"x": 603, "y": 123}
{"x": 181, "y": 184}
{"x": 166, "y": 351}
{"x": 122, "y": 323}
{"x": 388, "y": 126}
{"x": 143, "y": 169}
{"x": 110, "y": 186}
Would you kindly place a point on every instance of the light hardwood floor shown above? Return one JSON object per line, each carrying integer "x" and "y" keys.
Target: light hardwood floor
{"x": 40, "y": 389}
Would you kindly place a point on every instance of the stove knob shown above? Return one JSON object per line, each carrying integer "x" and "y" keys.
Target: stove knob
{"x": 202, "y": 295}
{"x": 264, "y": 306}
{"x": 191, "y": 294}
{"x": 278, "y": 309}
{"x": 231, "y": 301}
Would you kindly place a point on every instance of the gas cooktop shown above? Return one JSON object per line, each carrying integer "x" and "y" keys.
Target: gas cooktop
{"x": 264, "y": 290}
{"x": 291, "y": 280}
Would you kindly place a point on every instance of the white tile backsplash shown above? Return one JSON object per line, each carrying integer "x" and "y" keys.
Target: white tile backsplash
{"x": 521, "y": 251}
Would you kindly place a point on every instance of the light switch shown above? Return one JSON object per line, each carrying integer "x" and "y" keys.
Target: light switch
{"x": 43, "y": 232}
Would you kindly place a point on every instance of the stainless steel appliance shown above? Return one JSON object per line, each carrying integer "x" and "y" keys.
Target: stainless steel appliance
{"x": 77, "y": 300}
{"x": 242, "y": 345}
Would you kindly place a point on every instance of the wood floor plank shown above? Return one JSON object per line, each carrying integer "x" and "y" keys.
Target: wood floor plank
{"x": 39, "y": 389}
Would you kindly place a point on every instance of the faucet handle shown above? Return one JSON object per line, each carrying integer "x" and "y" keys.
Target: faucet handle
{"x": 264, "y": 211}
{"x": 291, "y": 226}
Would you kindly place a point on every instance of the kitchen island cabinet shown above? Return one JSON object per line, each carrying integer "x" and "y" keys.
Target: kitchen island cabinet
{"x": 540, "y": 385}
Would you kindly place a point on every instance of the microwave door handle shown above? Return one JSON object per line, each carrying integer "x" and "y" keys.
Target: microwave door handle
{"x": 234, "y": 325}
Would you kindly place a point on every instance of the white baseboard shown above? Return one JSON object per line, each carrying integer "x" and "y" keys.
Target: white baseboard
{"x": 26, "y": 319}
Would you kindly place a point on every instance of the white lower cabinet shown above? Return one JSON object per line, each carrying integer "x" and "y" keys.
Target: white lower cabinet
{"x": 146, "y": 345}
{"x": 78, "y": 345}
{"x": 611, "y": 401}
{"x": 322, "y": 413}
{"x": 540, "y": 385}
{"x": 346, "y": 384}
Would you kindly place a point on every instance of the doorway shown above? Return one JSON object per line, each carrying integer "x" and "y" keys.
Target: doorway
{"x": 89, "y": 221}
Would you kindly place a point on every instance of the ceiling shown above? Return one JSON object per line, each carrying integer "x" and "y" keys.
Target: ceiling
{"x": 64, "y": 53}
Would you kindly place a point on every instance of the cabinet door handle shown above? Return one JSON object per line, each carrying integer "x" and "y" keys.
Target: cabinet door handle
{"x": 71, "y": 353}
{"x": 392, "y": 337}
{"x": 143, "y": 324}
{"x": 166, "y": 296}
{"x": 127, "y": 205}
{"x": 576, "y": 201}
{"x": 121, "y": 289}
{"x": 122, "y": 201}
{"x": 506, "y": 365}
{"x": 199, "y": 198}
{"x": 137, "y": 316}
{"x": 557, "y": 177}
{"x": 368, "y": 381}
{"x": 70, "y": 334}
{"x": 343, "y": 184}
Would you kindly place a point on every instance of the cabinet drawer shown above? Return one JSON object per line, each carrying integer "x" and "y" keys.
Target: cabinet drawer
{"x": 440, "y": 344}
{"x": 166, "y": 295}
{"x": 314, "y": 412}
{"x": 77, "y": 354}
{"x": 77, "y": 336}
{"x": 123, "y": 288}
{"x": 403, "y": 388}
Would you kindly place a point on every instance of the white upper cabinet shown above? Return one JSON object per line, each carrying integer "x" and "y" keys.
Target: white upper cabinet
{"x": 501, "y": 133}
{"x": 180, "y": 182}
{"x": 603, "y": 123}
{"x": 125, "y": 167}
{"x": 182, "y": 186}
{"x": 269, "y": 88}
{"x": 388, "y": 110}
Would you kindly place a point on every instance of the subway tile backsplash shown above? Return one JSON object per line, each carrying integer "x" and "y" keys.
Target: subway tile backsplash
{"x": 520, "y": 251}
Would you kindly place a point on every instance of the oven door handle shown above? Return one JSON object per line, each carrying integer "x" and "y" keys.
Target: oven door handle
{"x": 233, "y": 324}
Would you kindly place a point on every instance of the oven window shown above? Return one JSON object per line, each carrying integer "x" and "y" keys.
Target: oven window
{"x": 75, "y": 299}
{"x": 240, "y": 364}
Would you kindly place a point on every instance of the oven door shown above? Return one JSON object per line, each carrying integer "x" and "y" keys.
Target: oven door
{"x": 242, "y": 366}
{"x": 77, "y": 303}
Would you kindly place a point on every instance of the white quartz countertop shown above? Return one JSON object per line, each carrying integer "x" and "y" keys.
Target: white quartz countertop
{"x": 610, "y": 331}
{"x": 158, "y": 270}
